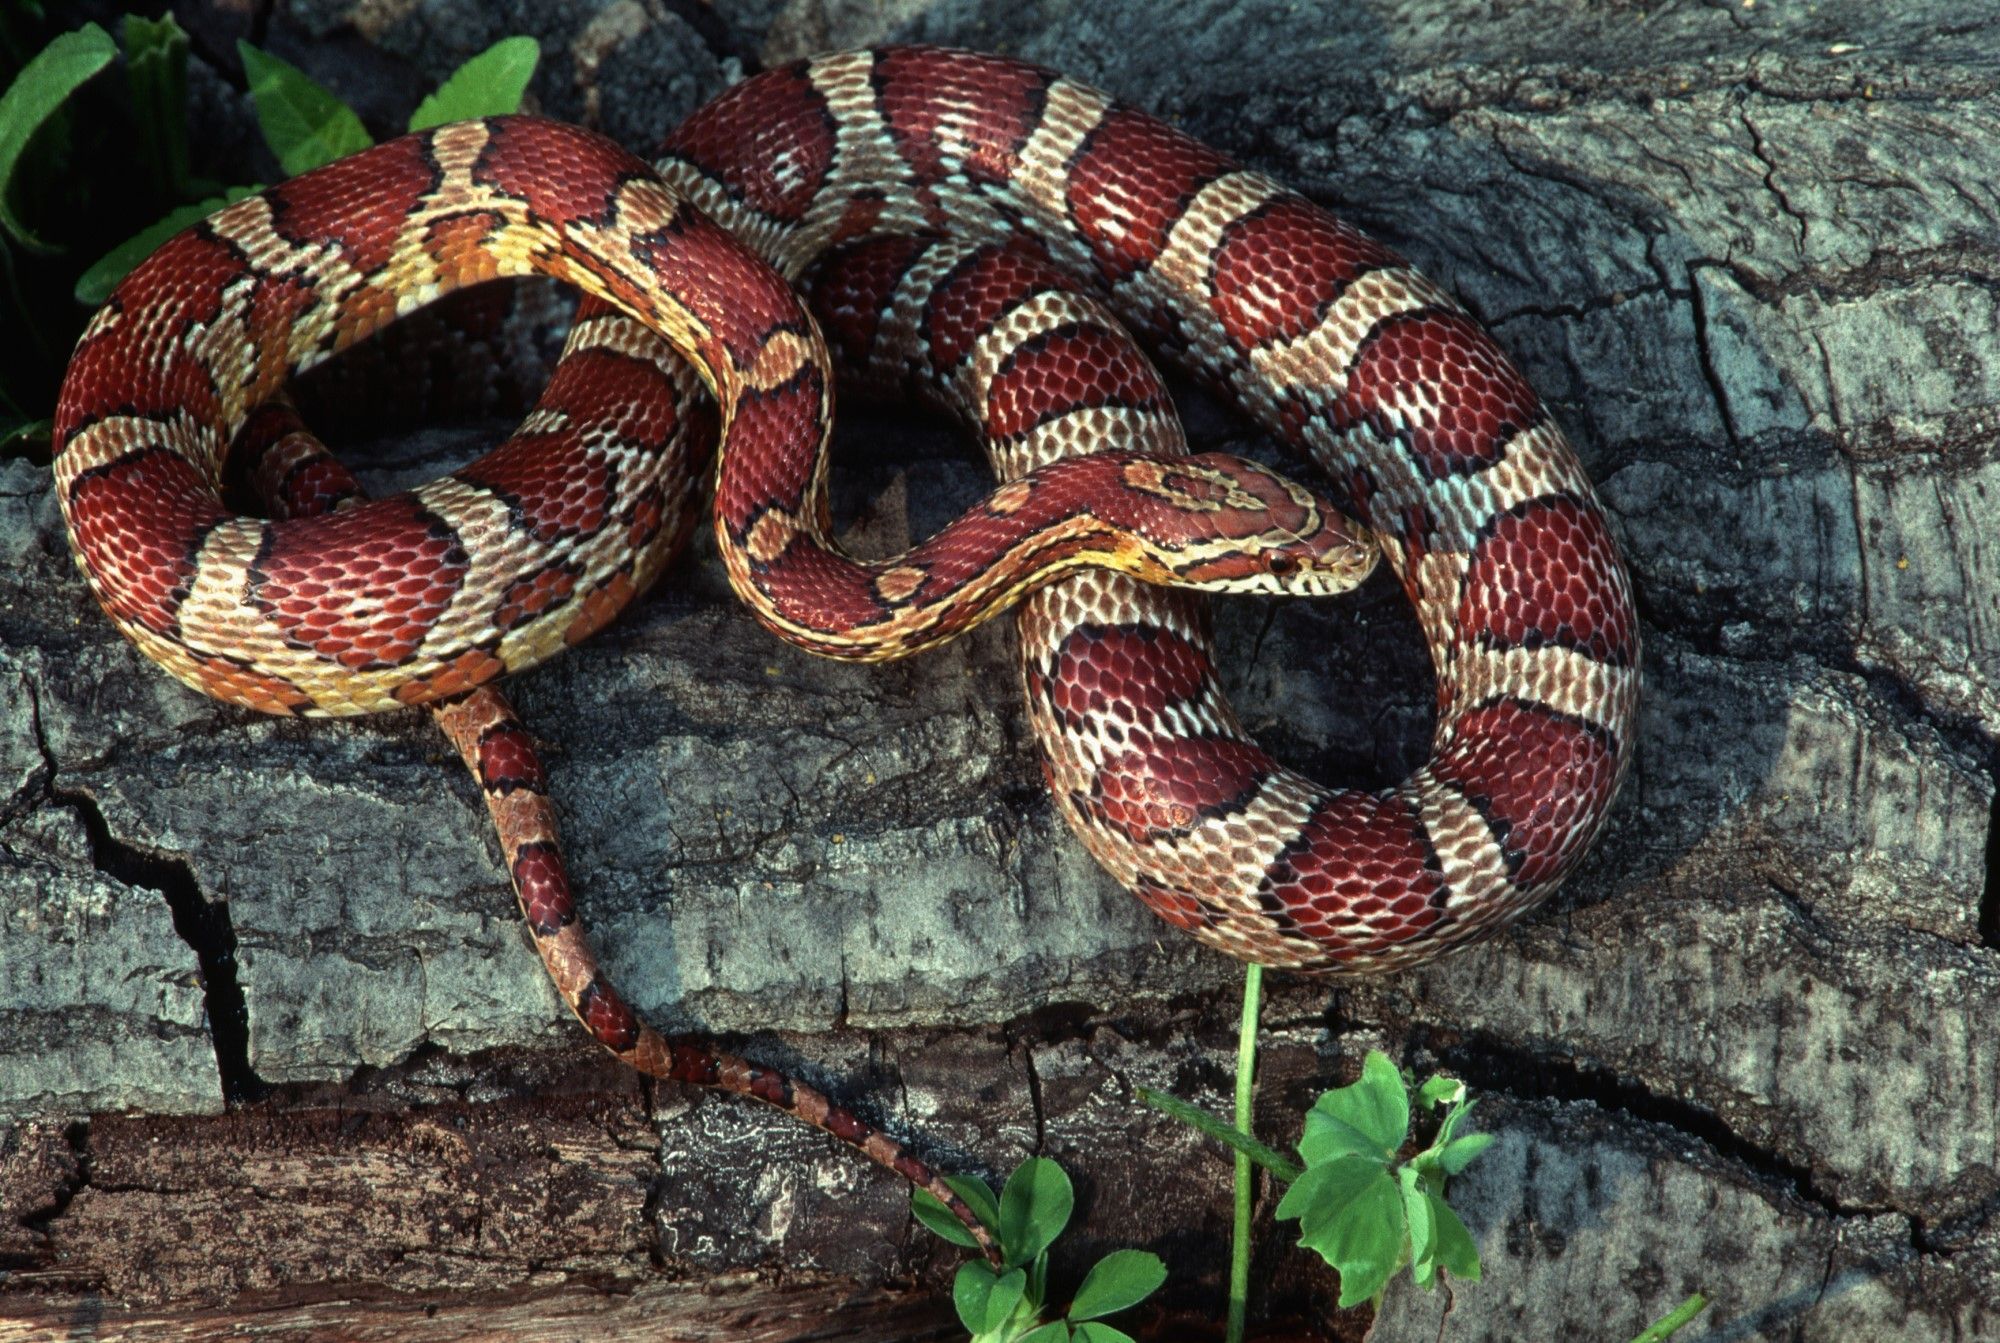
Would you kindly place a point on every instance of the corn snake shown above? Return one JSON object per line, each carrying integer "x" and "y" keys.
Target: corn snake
{"x": 973, "y": 229}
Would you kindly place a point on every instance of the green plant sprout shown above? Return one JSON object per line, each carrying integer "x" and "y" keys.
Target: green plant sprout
{"x": 1006, "y": 1303}
{"x": 1360, "y": 1206}
{"x": 1365, "y": 1212}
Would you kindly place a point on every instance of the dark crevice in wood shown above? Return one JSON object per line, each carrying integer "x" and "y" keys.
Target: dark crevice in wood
{"x": 202, "y": 923}
{"x": 1490, "y": 1065}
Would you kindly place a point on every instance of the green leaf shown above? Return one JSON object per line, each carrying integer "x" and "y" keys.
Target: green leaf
{"x": 941, "y": 1219}
{"x": 1349, "y": 1211}
{"x": 1453, "y": 1117}
{"x": 1058, "y": 1332}
{"x": 970, "y": 1291}
{"x": 1370, "y": 1117}
{"x": 95, "y": 285}
{"x": 1328, "y": 1139}
{"x": 1119, "y": 1281}
{"x": 43, "y": 85}
{"x": 1440, "y": 1090}
{"x": 1034, "y": 1208}
{"x": 490, "y": 84}
{"x": 304, "y": 124}
{"x": 156, "y": 52}
{"x": 1457, "y": 1154}
{"x": 1456, "y": 1253}
{"x": 1102, "y": 1333}
{"x": 978, "y": 1196}
{"x": 1416, "y": 1214}
{"x": 1007, "y": 1292}
{"x": 1673, "y": 1321}
{"x": 1222, "y": 1131}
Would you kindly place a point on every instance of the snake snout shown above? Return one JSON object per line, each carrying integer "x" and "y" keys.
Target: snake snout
{"x": 1333, "y": 555}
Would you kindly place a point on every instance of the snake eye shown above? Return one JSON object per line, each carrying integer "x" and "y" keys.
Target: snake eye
{"x": 1284, "y": 566}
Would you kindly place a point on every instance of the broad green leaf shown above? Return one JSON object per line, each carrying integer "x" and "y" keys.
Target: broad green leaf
{"x": 490, "y": 84}
{"x": 1456, "y": 1253}
{"x": 978, "y": 1196}
{"x": 1119, "y": 1281}
{"x": 1058, "y": 1332}
{"x": 1328, "y": 1139}
{"x": 1440, "y": 1090}
{"x": 1095, "y": 1332}
{"x": 970, "y": 1291}
{"x": 1349, "y": 1210}
{"x": 1222, "y": 1131}
{"x": 1457, "y": 1154}
{"x": 1006, "y": 1294}
{"x": 1371, "y": 1116}
{"x": 304, "y": 124}
{"x": 1034, "y": 1208}
{"x": 95, "y": 285}
{"x": 941, "y": 1219}
{"x": 43, "y": 85}
{"x": 156, "y": 52}
{"x": 1416, "y": 1214}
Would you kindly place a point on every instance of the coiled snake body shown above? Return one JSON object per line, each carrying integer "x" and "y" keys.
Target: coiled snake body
{"x": 975, "y": 229}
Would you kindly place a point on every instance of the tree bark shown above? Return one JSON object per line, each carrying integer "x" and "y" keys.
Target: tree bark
{"x": 278, "y": 1055}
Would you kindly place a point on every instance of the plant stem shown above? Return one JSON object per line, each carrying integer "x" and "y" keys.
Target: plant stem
{"x": 1665, "y": 1327}
{"x": 1246, "y": 1085}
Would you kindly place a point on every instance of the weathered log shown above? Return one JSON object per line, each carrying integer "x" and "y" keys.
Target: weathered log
{"x": 1749, "y": 251}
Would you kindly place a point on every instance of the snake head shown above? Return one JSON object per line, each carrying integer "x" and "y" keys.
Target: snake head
{"x": 1234, "y": 525}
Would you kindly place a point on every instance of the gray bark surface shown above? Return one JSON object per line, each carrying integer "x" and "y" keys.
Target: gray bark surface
{"x": 1749, "y": 251}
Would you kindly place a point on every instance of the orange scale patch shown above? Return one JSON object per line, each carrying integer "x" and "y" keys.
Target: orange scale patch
{"x": 600, "y": 605}
{"x": 531, "y": 595}
{"x": 1072, "y": 367}
{"x": 459, "y": 245}
{"x": 468, "y": 671}
{"x": 1546, "y": 573}
{"x": 1437, "y": 380}
{"x": 253, "y": 689}
{"x": 1181, "y": 910}
{"x": 978, "y": 290}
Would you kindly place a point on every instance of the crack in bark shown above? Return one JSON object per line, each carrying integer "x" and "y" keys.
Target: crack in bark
{"x": 1493, "y": 1065}
{"x": 1757, "y": 148}
{"x": 1705, "y": 354}
{"x": 201, "y": 923}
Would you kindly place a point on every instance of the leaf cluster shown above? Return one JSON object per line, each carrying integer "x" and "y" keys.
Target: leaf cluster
{"x": 1005, "y": 1303}
{"x": 1365, "y": 1210}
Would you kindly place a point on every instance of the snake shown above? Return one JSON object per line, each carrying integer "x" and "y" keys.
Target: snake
{"x": 981, "y": 233}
